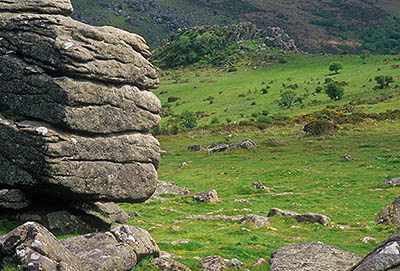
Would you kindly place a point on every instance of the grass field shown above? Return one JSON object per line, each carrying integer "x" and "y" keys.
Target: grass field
{"x": 312, "y": 169}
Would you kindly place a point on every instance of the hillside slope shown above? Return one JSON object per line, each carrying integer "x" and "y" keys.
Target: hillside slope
{"x": 317, "y": 26}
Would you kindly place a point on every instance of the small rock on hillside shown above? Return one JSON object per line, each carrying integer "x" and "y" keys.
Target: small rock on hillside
{"x": 308, "y": 217}
{"x": 395, "y": 180}
{"x": 212, "y": 263}
{"x": 314, "y": 256}
{"x": 206, "y": 196}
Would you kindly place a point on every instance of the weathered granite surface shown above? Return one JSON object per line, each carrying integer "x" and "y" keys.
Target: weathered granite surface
{"x": 75, "y": 115}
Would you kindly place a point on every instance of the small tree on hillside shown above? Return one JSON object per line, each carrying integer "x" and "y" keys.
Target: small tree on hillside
{"x": 383, "y": 81}
{"x": 334, "y": 91}
{"x": 288, "y": 98}
{"x": 335, "y": 66}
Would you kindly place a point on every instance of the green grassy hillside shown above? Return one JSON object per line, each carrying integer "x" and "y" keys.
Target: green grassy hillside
{"x": 253, "y": 90}
{"x": 329, "y": 26}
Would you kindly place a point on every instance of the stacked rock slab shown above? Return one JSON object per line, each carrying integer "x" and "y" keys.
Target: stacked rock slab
{"x": 75, "y": 110}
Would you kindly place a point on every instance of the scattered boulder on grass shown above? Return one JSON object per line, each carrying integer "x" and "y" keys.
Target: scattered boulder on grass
{"x": 390, "y": 214}
{"x": 257, "y": 220}
{"x": 212, "y": 263}
{"x": 194, "y": 147}
{"x": 385, "y": 257}
{"x": 308, "y": 217}
{"x": 216, "y": 148}
{"x": 166, "y": 264}
{"x": 259, "y": 186}
{"x": 246, "y": 143}
{"x": 391, "y": 181}
{"x": 234, "y": 263}
{"x": 313, "y": 256}
{"x": 206, "y": 196}
{"x": 164, "y": 187}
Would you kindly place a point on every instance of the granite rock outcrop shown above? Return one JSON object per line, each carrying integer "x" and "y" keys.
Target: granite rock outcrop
{"x": 75, "y": 115}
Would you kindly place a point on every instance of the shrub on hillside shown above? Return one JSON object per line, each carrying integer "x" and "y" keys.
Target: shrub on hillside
{"x": 383, "y": 81}
{"x": 334, "y": 91}
{"x": 319, "y": 127}
{"x": 188, "y": 119}
{"x": 288, "y": 98}
{"x": 264, "y": 119}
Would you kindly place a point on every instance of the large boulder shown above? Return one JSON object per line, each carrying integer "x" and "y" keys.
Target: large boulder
{"x": 101, "y": 251}
{"x": 35, "y": 248}
{"x": 390, "y": 214}
{"x": 385, "y": 257}
{"x": 313, "y": 256}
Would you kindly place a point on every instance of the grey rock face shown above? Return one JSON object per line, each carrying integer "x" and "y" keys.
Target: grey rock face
{"x": 308, "y": 217}
{"x": 101, "y": 251}
{"x": 62, "y": 7}
{"x": 13, "y": 199}
{"x": 75, "y": 112}
{"x": 105, "y": 212}
{"x": 83, "y": 105}
{"x": 35, "y": 248}
{"x": 390, "y": 214}
{"x": 312, "y": 257}
{"x": 384, "y": 257}
{"x": 118, "y": 168}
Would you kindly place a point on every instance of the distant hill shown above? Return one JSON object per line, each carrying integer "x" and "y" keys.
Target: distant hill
{"x": 318, "y": 26}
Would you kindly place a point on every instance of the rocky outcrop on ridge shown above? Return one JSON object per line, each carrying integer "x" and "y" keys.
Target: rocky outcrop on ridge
{"x": 33, "y": 247}
{"x": 272, "y": 36}
{"x": 75, "y": 114}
